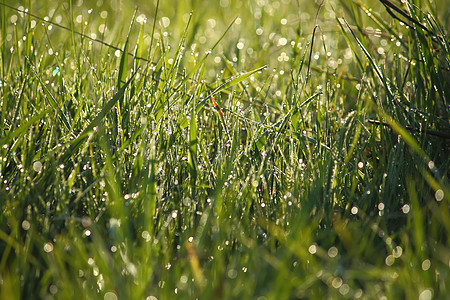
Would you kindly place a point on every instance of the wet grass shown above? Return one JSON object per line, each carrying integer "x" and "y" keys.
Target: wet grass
{"x": 257, "y": 150}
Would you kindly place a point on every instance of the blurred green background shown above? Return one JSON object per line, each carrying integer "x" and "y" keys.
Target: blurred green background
{"x": 264, "y": 32}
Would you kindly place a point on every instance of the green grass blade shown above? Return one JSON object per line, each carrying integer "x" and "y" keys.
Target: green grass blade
{"x": 75, "y": 144}
{"x": 204, "y": 57}
{"x": 122, "y": 77}
{"x": 231, "y": 82}
{"x": 193, "y": 144}
{"x": 23, "y": 128}
{"x": 372, "y": 62}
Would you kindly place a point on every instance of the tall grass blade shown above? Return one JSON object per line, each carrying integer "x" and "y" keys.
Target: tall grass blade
{"x": 122, "y": 77}
{"x": 372, "y": 62}
{"x": 231, "y": 82}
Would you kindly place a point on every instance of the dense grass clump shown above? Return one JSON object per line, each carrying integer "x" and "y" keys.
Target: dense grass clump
{"x": 247, "y": 150}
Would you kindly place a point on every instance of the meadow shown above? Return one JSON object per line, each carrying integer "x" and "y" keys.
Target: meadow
{"x": 224, "y": 149}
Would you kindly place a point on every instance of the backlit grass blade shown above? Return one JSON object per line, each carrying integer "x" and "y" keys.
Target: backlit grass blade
{"x": 222, "y": 118}
{"x": 382, "y": 22}
{"x": 409, "y": 139}
{"x": 205, "y": 56}
{"x": 374, "y": 65}
{"x": 350, "y": 43}
{"x": 140, "y": 44}
{"x": 151, "y": 187}
{"x": 122, "y": 77}
{"x": 193, "y": 144}
{"x": 231, "y": 82}
{"x": 3, "y": 38}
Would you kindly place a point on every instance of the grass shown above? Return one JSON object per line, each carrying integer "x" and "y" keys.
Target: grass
{"x": 249, "y": 150}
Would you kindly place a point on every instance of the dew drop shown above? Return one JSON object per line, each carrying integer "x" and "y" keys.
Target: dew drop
{"x": 48, "y": 247}
{"x": 439, "y": 195}
{"x": 37, "y": 166}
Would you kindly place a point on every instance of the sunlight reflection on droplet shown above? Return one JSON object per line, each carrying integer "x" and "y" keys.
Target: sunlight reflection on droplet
{"x": 110, "y": 296}
{"x": 337, "y": 282}
{"x": 439, "y": 195}
{"x": 37, "y": 166}
{"x": 426, "y": 264}
{"x": 397, "y": 252}
{"x": 390, "y": 259}
{"x": 26, "y": 225}
{"x": 358, "y": 294}
{"x": 48, "y": 247}
{"x": 333, "y": 252}
{"x": 165, "y": 22}
{"x": 426, "y": 294}
{"x": 146, "y": 235}
{"x": 102, "y": 28}
{"x": 282, "y": 42}
{"x": 405, "y": 209}
{"x": 344, "y": 289}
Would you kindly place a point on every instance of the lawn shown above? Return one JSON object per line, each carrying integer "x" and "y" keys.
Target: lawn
{"x": 224, "y": 149}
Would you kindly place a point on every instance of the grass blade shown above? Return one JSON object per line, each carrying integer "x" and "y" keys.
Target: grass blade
{"x": 372, "y": 63}
{"x": 75, "y": 144}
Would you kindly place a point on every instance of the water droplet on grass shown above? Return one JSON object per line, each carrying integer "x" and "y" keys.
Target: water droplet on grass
{"x": 426, "y": 264}
{"x": 110, "y": 296}
{"x": 337, "y": 282}
{"x": 390, "y": 259}
{"x": 48, "y": 247}
{"x": 165, "y": 22}
{"x": 37, "y": 166}
{"x": 439, "y": 195}
{"x": 333, "y": 252}
{"x": 426, "y": 294}
{"x": 405, "y": 209}
{"x": 26, "y": 225}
